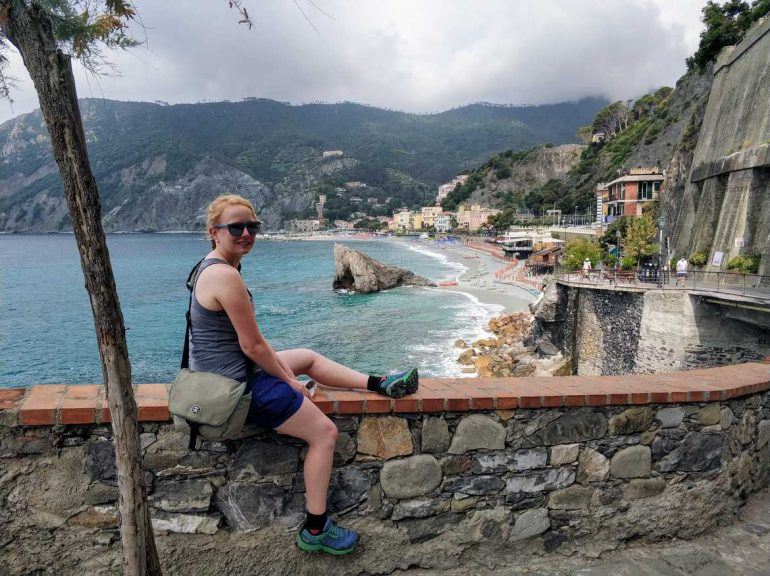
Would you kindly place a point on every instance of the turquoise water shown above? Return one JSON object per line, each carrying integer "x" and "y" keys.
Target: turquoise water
{"x": 46, "y": 326}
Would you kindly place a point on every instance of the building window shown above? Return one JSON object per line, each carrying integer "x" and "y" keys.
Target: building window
{"x": 647, "y": 190}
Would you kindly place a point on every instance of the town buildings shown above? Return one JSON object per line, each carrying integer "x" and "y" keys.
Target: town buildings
{"x": 628, "y": 194}
{"x": 445, "y": 189}
{"x": 471, "y": 218}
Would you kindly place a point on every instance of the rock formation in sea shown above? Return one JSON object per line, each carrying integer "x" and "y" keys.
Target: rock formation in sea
{"x": 357, "y": 272}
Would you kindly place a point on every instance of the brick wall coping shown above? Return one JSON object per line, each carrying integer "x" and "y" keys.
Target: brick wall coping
{"x": 50, "y": 404}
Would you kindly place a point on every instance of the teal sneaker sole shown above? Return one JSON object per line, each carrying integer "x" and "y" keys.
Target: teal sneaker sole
{"x": 407, "y": 384}
{"x": 308, "y": 547}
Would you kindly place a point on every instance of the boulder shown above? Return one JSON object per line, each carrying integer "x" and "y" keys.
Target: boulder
{"x": 670, "y": 417}
{"x": 435, "y": 435}
{"x": 709, "y": 415}
{"x": 384, "y": 437}
{"x": 477, "y": 431}
{"x": 574, "y": 426}
{"x": 564, "y": 454}
{"x": 191, "y": 495}
{"x": 631, "y": 462}
{"x": 421, "y": 508}
{"x": 475, "y": 485}
{"x": 348, "y": 487}
{"x": 259, "y": 459}
{"x": 530, "y": 523}
{"x": 545, "y": 307}
{"x": 357, "y": 272}
{"x": 593, "y": 466}
{"x": 571, "y": 498}
{"x": 410, "y": 477}
{"x": 549, "y": 479}
{"x": 496, "y": 462}
{"x": 698, "y": 452}
{"x": 637, "y": 419}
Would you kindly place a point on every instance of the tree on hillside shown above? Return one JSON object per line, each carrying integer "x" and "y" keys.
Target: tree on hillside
{"x": 585, "y": 134}
{"x": 726, "y": 24}
{"x": 639, "y": 238}
{"x": 611, "y": 119}
{"x": 47, "y": 34}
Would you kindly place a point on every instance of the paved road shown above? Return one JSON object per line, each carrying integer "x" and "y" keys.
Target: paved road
{"x": 741, "y": 549}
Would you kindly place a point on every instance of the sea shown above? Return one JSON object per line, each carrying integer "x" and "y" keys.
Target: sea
{"x": 47, "y": 332}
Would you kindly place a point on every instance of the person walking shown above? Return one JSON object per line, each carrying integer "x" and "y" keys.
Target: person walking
{"x": 225, "y": 339}
{"x": 681, "y": 271}
{"x": 587, "y": 268}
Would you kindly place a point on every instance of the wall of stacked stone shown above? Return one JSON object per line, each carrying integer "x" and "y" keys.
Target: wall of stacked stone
{"x": 606, "y": 331}
{"x": 479, "y": 488}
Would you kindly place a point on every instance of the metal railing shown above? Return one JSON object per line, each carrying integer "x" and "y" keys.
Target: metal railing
{"x": 728, "y": 282}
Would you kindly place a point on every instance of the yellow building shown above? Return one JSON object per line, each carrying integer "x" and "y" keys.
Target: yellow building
{"x": 429, "y": 215}
{"x": 402, "y": 220}
{"x": 474, "y": 217}
{"x": 415, "y": 220}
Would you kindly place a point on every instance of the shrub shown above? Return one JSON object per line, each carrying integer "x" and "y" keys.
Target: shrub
{"x": 579, "y": 250}
{"x": 698, "y": 258}
{"x": 627, "y": 262}
{"x": 745, "y": 263}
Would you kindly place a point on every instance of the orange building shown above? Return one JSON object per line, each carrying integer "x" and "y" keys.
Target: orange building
{"x": 627, "y": 195}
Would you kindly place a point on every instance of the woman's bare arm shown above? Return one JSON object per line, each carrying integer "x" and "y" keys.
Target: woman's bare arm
{"x": 228, "y": 288}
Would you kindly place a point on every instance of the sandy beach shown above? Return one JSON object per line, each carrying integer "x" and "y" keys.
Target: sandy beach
{"x": 479, "y": 278}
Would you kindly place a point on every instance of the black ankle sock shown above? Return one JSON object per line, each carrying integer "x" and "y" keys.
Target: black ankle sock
{"x": 314, "y": 523}
{"x": 374, "y": 383}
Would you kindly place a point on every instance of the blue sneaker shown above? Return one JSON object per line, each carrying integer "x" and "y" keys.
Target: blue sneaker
{"x": 400, "y": 384}
{"x": 333, "y": 540}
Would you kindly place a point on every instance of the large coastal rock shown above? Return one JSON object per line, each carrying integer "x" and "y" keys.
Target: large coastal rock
{"x": 355, "y": 271}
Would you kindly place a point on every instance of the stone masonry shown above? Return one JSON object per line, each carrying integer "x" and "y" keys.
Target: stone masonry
{"x": 479, "y": 488}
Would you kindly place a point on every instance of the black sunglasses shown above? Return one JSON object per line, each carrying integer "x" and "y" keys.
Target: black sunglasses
{"x": 236, "y": 228}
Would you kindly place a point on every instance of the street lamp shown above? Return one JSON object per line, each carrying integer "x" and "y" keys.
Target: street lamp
{"x": 617, "y": 250}
{"x": 661, "y": 224}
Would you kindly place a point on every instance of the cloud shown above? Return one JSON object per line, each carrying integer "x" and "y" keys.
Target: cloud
{"x": 420, "y": 56}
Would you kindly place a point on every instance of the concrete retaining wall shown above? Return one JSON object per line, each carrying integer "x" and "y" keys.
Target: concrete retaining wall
{"x": 633, "y": 332}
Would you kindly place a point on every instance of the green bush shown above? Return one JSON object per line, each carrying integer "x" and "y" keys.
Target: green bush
{"x": 745, "y": 263}
{"x": 579, "y": 250}
{"x": 627, "y": 262}
{"x": 698, "y": 258}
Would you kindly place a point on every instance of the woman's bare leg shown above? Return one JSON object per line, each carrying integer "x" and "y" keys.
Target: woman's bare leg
{"x": 312, "y": 426}
{"x": 322, "y": 370}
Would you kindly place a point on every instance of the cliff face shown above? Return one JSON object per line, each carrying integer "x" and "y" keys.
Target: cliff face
{"x": 724, "y": 204}
{"x": 542, "y": 164}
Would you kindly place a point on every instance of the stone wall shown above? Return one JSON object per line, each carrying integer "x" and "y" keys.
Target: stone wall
{"x": 644, "y": 331}
{"x": 727, "y": 194}
{"x": 480, "y": 488}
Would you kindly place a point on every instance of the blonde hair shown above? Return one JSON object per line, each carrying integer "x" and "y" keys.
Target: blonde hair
{"x": 218, "y": 205}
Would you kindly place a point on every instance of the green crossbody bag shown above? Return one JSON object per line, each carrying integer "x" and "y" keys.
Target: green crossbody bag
{"x": 203, "y": 403}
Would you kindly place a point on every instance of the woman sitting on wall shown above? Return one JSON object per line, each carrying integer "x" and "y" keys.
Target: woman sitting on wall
{"x": 225, "y": 340}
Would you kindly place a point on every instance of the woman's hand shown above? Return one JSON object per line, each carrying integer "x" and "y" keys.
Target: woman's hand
{"x": 299, "y": 387}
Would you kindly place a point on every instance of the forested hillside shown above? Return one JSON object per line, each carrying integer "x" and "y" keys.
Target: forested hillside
{"x": 157, "y": 165}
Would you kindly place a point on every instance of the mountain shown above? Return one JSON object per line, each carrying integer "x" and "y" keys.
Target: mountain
{"x": 157, "y": 165}
{"x": 647, "y": 132}
{"x": 505, "y": 178}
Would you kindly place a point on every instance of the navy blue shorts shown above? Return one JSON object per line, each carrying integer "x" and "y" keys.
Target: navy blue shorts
{"x": 273, "y": 401}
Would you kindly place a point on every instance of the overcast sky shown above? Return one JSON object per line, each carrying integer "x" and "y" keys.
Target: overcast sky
{"x": 414, "y": 55}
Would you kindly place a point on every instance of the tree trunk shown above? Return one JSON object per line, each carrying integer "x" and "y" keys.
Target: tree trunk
{"x": 28, "y": 28}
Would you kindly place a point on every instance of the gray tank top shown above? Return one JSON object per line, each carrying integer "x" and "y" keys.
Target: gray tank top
{"x": 214, "y": 343}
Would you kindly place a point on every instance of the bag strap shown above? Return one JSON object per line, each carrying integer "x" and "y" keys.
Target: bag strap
{"x": 192, "y": 277}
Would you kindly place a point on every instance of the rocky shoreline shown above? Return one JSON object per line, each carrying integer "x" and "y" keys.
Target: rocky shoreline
{"x": 516, "y": 347}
